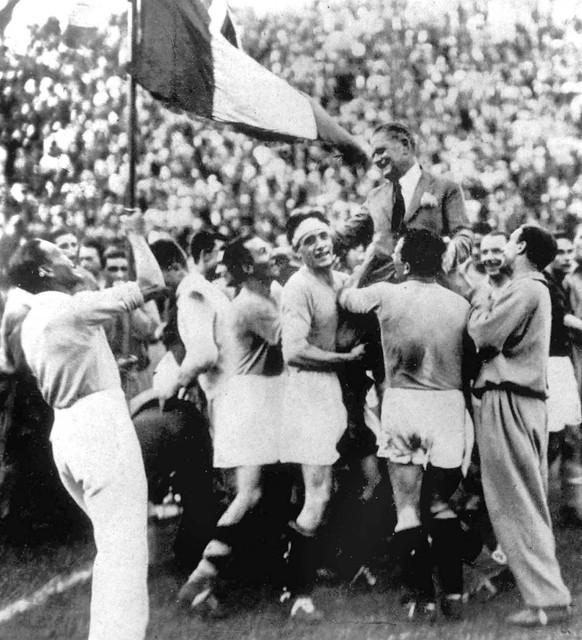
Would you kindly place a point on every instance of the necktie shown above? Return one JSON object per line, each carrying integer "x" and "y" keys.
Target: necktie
{"x": 397, "y": 205}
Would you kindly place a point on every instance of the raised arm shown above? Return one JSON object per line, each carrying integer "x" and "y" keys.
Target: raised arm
{"x": 361, "y": 300}
{"x": 147, "y": 269}
{"x": 457, "y": 227}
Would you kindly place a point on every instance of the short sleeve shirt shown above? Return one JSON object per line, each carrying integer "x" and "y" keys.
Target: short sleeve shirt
{"x": 310, "y": 310}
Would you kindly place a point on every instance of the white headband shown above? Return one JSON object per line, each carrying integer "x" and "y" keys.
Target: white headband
{"x": 307, "y": 226}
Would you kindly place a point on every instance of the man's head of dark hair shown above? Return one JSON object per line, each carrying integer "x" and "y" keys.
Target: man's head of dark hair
{"x": 238, "y": 260}
{"x": 25, "y": 267}
{"x": 297, "y": 218}
{"x": 562, "y": 235}
{"x": 203, "y": 242}
{"x": 113, "y": 252}
{"x": 540, "y": 245}
{"x": 399, "y": 131}
{"x": 423, "y": 250}
{"x": 168, "y": 253}
{"x": 93, "y": 243}
{"x": 482, "y": 228}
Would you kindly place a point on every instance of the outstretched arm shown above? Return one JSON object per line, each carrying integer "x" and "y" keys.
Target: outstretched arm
{"x": 457, "y": 227}
{"x": 147, "y": 269}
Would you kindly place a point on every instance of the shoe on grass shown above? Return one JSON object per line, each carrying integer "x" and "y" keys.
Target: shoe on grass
{"x": 199, "y": 586}
{"x": 416, "y": 610}
{"x": 539, "y": 617}
{"x": 303, "y": 610}
{"x": 364, "y": 576}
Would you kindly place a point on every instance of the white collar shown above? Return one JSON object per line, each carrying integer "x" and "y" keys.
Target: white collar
{"x": 409, "y": 182}
{"x": 411, "y": 177}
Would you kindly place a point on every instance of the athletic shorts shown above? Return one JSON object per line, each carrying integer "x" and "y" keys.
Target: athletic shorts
{"x": 563, "y": 399}
{"x": 422, "y": 426}
{"x": 314, "y": 417}
{"x": 246, "y": 417}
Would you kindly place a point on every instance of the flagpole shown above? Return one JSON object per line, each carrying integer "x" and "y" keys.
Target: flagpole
{"x": 132, "y": 115}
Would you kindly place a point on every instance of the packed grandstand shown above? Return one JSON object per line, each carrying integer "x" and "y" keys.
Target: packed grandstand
{"x": 498, "y": 104}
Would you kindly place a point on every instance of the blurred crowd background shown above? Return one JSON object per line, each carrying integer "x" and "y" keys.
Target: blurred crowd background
{"x": 497, "y": 103}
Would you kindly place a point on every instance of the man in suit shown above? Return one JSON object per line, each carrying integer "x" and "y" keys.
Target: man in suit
{"x": 409, "y": 198}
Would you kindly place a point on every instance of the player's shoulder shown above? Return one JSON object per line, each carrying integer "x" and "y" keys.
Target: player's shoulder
{"x": 296, "y": 282}
{"x": 46, "y": 300}
{"x": 453, "y": 299}
{"x": 195, "y": 285}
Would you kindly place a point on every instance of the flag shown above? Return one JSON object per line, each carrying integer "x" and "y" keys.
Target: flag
{"x": 188, "y": 57}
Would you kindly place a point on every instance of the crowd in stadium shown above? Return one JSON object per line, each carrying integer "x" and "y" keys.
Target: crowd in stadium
{"x": 495, "y": 106}
{"x": 265, "y": 306}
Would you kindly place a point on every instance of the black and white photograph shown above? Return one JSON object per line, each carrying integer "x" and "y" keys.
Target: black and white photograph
{"x": 290, "y": 319}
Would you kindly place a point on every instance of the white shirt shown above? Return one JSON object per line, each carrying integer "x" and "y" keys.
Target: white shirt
{"x": 409, "y": 182}
{"x": 203, "y": 324}
{"x": 65, "y": 345}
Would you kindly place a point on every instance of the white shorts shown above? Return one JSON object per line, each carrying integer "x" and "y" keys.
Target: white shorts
{"x": 421, "y": 426}
{"x": 314, "y": 418}
{"x": 563, "y": 399}
{"x": 246, "y": 417}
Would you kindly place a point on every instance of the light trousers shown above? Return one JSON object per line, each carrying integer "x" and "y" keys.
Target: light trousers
{"x": 99, "y": 460}
{"x": 512, "y": 435}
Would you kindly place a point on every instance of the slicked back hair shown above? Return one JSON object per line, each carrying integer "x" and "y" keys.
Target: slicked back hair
{"x": 540, "y": 245}
{"x": 237, "y": 259}
{"x": 423, "y": 250}
{"x": 203, "y": 241}
{"x": 399, "y": 131}
{"x": 24, "y": 267}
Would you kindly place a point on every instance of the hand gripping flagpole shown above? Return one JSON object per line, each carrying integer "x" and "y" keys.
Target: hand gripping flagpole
{"x": 132, "y": 26}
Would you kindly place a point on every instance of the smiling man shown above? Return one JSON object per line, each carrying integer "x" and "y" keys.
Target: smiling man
{"x": 314, "y": 417}
{"x": 409, "y": 198}
{"x": 512, "y": 333}
{"x": 247, "y": 409}
{"x": 493, "y": 258}
{"x": 93, "y": 440}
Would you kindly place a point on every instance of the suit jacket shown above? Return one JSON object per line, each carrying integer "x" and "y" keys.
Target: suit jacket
{"x": 446, "y": 217}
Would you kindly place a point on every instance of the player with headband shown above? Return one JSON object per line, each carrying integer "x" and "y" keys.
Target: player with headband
{"x": 314, "y": 417}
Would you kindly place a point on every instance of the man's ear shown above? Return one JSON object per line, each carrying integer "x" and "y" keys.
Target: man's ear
{"x": 406, "y": 268}
{"x": 249, "y": 269}
{"x": 45, "y": 272}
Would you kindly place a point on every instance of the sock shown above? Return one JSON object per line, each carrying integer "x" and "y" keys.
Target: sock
{"x": 218, "y": 551}
{"x": 447, "y": 540}
{"x": 301, "y": 562}
{"x": 413, "y": 552}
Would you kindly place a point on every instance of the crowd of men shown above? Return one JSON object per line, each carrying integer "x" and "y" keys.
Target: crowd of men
{"x": 395, "y": 341}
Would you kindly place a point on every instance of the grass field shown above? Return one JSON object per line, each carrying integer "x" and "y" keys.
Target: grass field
{"x": 254, "y": 612}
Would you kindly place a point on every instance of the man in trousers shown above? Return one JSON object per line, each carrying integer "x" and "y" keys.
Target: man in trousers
{"x": 512, "y": 333}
